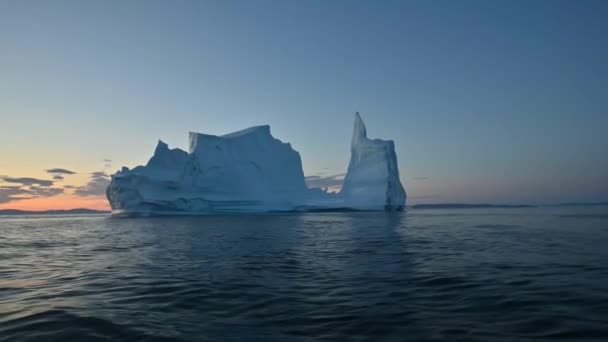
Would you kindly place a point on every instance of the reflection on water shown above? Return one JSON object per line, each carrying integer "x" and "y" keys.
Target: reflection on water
{"x": 482, "y": 274}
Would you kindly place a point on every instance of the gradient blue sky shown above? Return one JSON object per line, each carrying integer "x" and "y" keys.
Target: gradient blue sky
{"x": 487, "y": 101}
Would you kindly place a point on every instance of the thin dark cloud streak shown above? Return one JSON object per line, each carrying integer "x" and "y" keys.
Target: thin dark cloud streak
{"x": 319, "y": 181}
{"x": 59, "y": 170}
{"x": 22, "y": 188}
{"x": 17, "y": 193}
{"x": 44, "y": 192}
{"x": 27, "y": 181}
{"x": 8, "y": 193}
{"x": 99, "y": 174}
{"x": 422, "y": 197}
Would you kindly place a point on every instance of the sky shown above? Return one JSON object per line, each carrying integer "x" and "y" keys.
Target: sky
{"x": 487, "y": 101}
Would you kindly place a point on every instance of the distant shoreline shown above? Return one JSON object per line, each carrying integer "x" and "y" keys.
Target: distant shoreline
{"x": 82, "y": 211}
{"x": 53, "y": 212}
{"x": 488, "y": 205}
{"x": 469, "y": 206}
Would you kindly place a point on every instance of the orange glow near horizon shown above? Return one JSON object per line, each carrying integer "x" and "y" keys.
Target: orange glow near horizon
{"x": 62, "y": 202}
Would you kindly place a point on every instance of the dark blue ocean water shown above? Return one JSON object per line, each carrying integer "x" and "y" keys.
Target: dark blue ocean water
{"x": 434, "y": 275}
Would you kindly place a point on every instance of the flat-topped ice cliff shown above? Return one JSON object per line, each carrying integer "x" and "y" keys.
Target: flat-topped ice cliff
{"x": 251, "y": 171}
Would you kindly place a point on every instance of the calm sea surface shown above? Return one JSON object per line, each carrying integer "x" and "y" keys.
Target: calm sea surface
{"x": 435, "y": 275}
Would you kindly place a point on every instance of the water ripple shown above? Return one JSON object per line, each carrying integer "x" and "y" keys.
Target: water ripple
{"x": 326, "y": 276}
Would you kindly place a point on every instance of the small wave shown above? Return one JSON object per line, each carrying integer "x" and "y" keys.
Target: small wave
{"x": 307, "y": 276}
{"x": 62, "y": 325}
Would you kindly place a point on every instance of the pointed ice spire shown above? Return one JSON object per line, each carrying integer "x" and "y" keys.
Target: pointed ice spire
{"x": 359, "y": 132}
{"x": 161, "y": 146}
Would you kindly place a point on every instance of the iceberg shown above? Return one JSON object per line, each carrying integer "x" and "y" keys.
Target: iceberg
{"x": 372, "y": 181}
{"x": 251, "y": 171}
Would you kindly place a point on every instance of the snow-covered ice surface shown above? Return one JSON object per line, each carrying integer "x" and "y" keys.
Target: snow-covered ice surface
{"x": 251, "y": 171}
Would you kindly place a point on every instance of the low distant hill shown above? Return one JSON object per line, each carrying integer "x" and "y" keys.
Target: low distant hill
{"x": 486, "y": 205}
{"x": 52, "y": 212}
{"x": 468, "y": 206}
{"x": 581, "y": 204}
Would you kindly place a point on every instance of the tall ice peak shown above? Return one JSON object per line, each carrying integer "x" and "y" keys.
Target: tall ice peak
{"x": 372, "y": 180}
{"x": 161, "y": 145}
{"x": 359, "y": 131}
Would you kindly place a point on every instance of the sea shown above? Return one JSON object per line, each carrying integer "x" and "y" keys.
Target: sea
{"x": 476, "y": 274}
